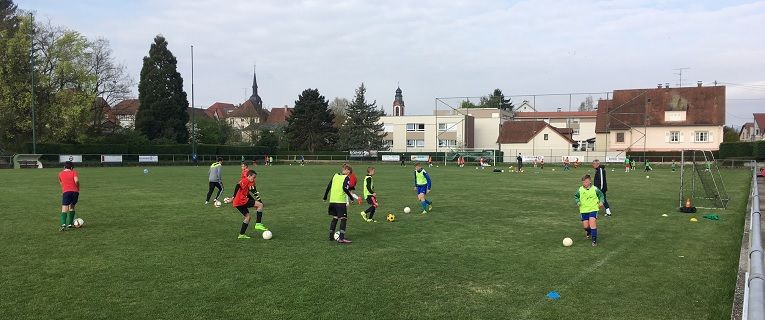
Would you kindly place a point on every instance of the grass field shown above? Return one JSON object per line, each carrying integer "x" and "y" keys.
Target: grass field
{"x": 491, "y": 249}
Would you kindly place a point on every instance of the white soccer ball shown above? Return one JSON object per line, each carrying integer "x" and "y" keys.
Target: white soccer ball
{"x": 407, "y": 210}
{"x": 337, "y": 235}
{"x": 647, "y": 177}
{"x": 78, "y": 223}
{"x": 217, "y": 204}
{"x": 553, "y": 169}
{"x": 567, "y": 242}
{"x": 267, "y": 235}
{"x": 145, "y": 171}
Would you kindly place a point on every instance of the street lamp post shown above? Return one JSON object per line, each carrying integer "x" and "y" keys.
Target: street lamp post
{"x": 32, "y": 59}
{"x": 193, "y": 122}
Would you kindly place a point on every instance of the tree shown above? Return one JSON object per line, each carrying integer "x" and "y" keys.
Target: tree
{"x": 362, "y": 129}
{"x": 466, "y": 104}
{"x": 210, "y": 131}
{"x": 112, "y": 82}
{"x": 587, "y": 105}
{"x": 15, "y": 86}
{"x": 268, "y": 139}
{"x": 310, "y": 125}
{"x": 8, "y": 19}
{"x": 496, "y": 100}
{"x": 338, "y": 107}
{"x": 160, "y": 92}
{"x": 730, "y": 134}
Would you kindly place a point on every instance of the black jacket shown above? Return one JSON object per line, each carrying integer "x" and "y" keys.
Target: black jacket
{"x": 600, "y": 178}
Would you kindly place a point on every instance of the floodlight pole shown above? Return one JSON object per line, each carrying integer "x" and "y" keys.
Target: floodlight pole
{"x": 32, "y": 59}
{"x": 193, "y": 122}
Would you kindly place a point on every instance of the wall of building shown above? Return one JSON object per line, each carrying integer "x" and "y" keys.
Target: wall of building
{"x": 659, "y": 139}
{"x": 456, "y": 133}
{"x": 553, "y": 149}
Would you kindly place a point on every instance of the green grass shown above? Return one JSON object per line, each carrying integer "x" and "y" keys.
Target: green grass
{"x": 490, "y": 249}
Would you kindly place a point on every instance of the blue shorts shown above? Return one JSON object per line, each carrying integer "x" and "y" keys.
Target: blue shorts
{"x": 422, "y": 189}
{"x": 587, "y": 216}
{"x": 70, "y": 198}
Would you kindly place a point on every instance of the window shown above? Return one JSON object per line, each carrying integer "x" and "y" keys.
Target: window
{"x": 447, "y": 127}
{"x": 674, "y": 116}
{"x": 575, "y": 121}
{"x": 447, "y": 143}
{"x": 674, "y": 136}
{"x": 415, "y": 143}
{"x": 620, "y": 137}
{"x": 702, "y": 136}
{"x": 575, "y": 131}
{"x": 547, "y": 137}
{"x": 415, "y": 127}
{"x": 387, "y": 128}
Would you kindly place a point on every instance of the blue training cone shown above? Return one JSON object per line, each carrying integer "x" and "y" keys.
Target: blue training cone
{"x": 553, "y": 295}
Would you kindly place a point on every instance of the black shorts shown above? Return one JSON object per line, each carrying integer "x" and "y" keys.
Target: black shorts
{"x": 339, "y": 210}
{"x": 70, "y": 198}
{"x": 244, "y": 209}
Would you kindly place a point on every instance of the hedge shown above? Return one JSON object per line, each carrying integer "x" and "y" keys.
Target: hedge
{"x": 202, "y": 149}
{"x": 730, "y": 150}
{"x": 758, "y": 150}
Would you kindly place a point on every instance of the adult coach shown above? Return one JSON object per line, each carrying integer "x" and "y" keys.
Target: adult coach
{"x": 70, "y": 189}
{"x": 601, "y": 183}
{"x": 519, "y": 158}
{"x": 216, "y": 180}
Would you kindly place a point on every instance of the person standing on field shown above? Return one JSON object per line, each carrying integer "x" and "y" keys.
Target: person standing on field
{"x": 216, "y": 180}
{"x": 601, "y": 183}
{"x": 70, "y": 189}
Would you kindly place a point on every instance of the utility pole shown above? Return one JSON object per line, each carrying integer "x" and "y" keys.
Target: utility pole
{"x": 32, "y": 59}
{"x": 193, "y": 110}
{"x": 680, "y": 75}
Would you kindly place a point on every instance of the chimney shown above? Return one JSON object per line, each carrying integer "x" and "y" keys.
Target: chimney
{"x": 666, "y": 85}
{"x": 698, "y": 84}
{"x": 658, "y": 85}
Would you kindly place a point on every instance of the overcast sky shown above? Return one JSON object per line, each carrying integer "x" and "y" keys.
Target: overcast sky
{"x": 436, "y": 48}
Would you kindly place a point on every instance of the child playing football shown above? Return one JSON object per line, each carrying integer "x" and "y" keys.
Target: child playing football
{"x": 422, "y": 184}
{"x": 589, "y": 199}
{"x": 247, "y": 196}
{"x": 215, "y": 180}
{"x": 566, "y": 164}
{"x": 370, "y": 195}
{"x": 352, "y": 186}
{"x": 626, "y": 164}
{"x": 338, "y": 192}
{"x": 245, "y": 168}
{"x": 70, "y": 189}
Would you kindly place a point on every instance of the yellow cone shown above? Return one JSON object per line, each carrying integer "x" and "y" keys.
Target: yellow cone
{"x": 694, "y": 220}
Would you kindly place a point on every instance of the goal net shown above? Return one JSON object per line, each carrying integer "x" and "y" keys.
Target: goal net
{"x": 701, "y": 181}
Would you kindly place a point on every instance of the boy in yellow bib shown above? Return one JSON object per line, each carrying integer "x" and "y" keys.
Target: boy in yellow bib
{"x": 589, "y": 199}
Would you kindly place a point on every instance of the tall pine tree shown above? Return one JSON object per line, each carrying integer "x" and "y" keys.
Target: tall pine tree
{"x": 362, "y": 129}
{"x": 162, "y": 114}
{"x": 310, "y": 125}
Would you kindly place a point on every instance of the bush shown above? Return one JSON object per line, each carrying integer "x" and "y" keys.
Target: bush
{"x": 729, "y": 150}
{"x": 758, "y": 150}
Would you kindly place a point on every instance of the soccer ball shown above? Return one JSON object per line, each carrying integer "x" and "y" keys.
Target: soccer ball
{"x": 217, "y": 204}
{"x": 567, "y": 242}
{"x": 267, "y": 235}
{"x": 226, "y": 200}
{"x": 407, "y": 210}
{"x": 78, "y": 223}
{"x": 647, "y": 177}
{"x": 337, "y": 235}
{"x": 391, "y": 217}
{"x": 553, "y": 169}
{"x": 145, "y": 171}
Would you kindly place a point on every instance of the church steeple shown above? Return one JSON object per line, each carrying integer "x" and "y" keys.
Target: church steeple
{"x": 255, "y": 98}
{"x": 398, "y": 103}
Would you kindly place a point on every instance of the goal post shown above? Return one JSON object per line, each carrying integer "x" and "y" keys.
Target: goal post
{"x": 701, "y": 181}
{"x": 471, "y": 156}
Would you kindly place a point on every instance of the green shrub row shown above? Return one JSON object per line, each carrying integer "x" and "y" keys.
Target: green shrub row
{"x": 743, "y": 150}
{"x": 202, "y": 149}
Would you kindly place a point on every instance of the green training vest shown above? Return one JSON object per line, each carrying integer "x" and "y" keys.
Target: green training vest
{"x": 421, "y": 180}
{"x": 336, "y": 193}
{"x": 371, "y": 186}
{"x": 588, "y": 200}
